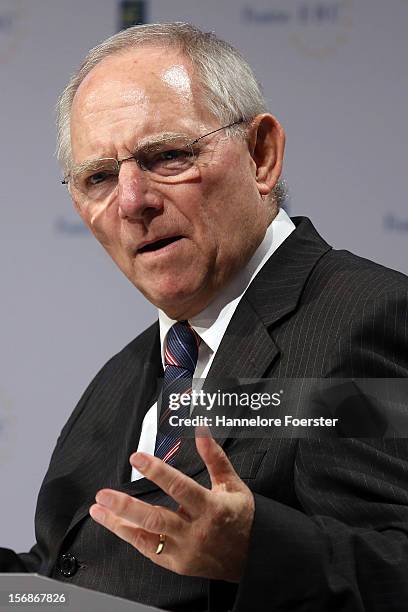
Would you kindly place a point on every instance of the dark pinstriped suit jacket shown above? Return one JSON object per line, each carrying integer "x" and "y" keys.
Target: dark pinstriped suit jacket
{"x": 331, "y": 521}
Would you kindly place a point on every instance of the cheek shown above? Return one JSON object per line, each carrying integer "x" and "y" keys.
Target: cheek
{"x": 217, "y": 214}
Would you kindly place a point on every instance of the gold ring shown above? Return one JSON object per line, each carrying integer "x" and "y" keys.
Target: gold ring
{"x": 161, "y": 544}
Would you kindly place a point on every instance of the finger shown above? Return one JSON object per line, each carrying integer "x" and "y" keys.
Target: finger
{"x": 154, "y": 519}
{"x": 146, "y": 543}
{"x": 184, "y": 490}
{"x": 218, "y": 465}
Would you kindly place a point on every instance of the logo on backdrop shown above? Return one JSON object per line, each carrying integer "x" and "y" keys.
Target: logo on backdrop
{"x": 6, "y": 424}
{"x": 10, "y": 27}
{"x": 131, "y": 12}
{"x": 393, "y": 223}
{"x": 70, "y": 227}
{"x": 315, "y": 28}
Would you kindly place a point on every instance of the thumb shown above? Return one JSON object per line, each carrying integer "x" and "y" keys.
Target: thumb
{"x": 218, "y": 465}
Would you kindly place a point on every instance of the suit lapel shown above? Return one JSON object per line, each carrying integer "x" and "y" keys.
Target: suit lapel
{"x": 277, "y": 288}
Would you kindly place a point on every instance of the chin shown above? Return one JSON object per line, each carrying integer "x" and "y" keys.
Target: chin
{"x": 173, "y": 299}
{"x": 177, "y": 304}
{"x": 173, "y": 293}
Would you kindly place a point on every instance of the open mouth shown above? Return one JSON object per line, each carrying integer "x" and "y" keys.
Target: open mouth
{"x": 159, "y": 244}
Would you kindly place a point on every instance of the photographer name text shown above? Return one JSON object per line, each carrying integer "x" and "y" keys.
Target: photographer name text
{"x": 256, "y": 421}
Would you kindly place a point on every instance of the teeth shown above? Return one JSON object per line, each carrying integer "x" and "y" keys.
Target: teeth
{"x": 159, "y": 244}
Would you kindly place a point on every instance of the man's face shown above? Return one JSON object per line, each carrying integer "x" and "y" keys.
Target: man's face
{"x": 214, "y": 223}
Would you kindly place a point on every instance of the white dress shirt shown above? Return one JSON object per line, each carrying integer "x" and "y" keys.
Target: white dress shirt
{"x": 212, "y": 322}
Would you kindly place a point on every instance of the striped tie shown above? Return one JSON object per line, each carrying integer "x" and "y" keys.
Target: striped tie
{"x": 180, "y": 360}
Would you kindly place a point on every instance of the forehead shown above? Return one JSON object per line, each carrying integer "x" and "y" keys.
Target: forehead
{"x": 145, "y": 91}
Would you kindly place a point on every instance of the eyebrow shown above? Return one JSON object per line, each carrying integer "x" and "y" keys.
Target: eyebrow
{"x": 146, "y": 144}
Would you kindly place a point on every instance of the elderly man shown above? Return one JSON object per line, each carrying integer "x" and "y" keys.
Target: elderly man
{"x": 173, "y": 162}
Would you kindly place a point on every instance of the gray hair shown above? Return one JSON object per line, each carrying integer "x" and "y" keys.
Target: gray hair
{"x": 228, "y": 86}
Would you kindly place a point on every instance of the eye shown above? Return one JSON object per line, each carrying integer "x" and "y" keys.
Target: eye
{"x": 98, "y": 177}
{"x": 174, "y": 155}
{"x": 168, "y": 162}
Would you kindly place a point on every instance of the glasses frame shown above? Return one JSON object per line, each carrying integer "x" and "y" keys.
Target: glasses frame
{"x": 66, "y": 179}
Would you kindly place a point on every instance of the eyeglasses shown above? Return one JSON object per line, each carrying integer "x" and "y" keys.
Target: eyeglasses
{"x": 170, "y": 159}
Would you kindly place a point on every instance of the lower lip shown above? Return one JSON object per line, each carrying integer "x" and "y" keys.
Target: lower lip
{"x": 163, "y": 251}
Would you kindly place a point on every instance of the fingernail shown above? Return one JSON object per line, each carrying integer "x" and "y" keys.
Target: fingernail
{"x": 139, "y": 460}
{"x": 203, "y": 431}
{"x": 97, "y": 513}
{"x": 104, "y": 498}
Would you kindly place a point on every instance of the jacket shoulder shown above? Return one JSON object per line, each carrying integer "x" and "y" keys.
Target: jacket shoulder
{"x": 137, "y": 350}
{"x": 340, "y": 270}
{"x": 122, "y": 368}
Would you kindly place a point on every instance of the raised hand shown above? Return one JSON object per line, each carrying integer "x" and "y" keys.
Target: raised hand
{"x": 207, "y": 536}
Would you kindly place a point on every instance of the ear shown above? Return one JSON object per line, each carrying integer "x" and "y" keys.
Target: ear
{"x": 266, "y": 145}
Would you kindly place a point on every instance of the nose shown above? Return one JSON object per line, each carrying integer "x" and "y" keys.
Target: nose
{"x": 136, "y": 199}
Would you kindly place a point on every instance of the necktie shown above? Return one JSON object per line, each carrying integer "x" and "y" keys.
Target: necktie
{"x": 180, "y": 361}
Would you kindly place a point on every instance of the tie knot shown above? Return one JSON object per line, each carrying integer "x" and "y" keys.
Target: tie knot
{"x": 182, "y": 346}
